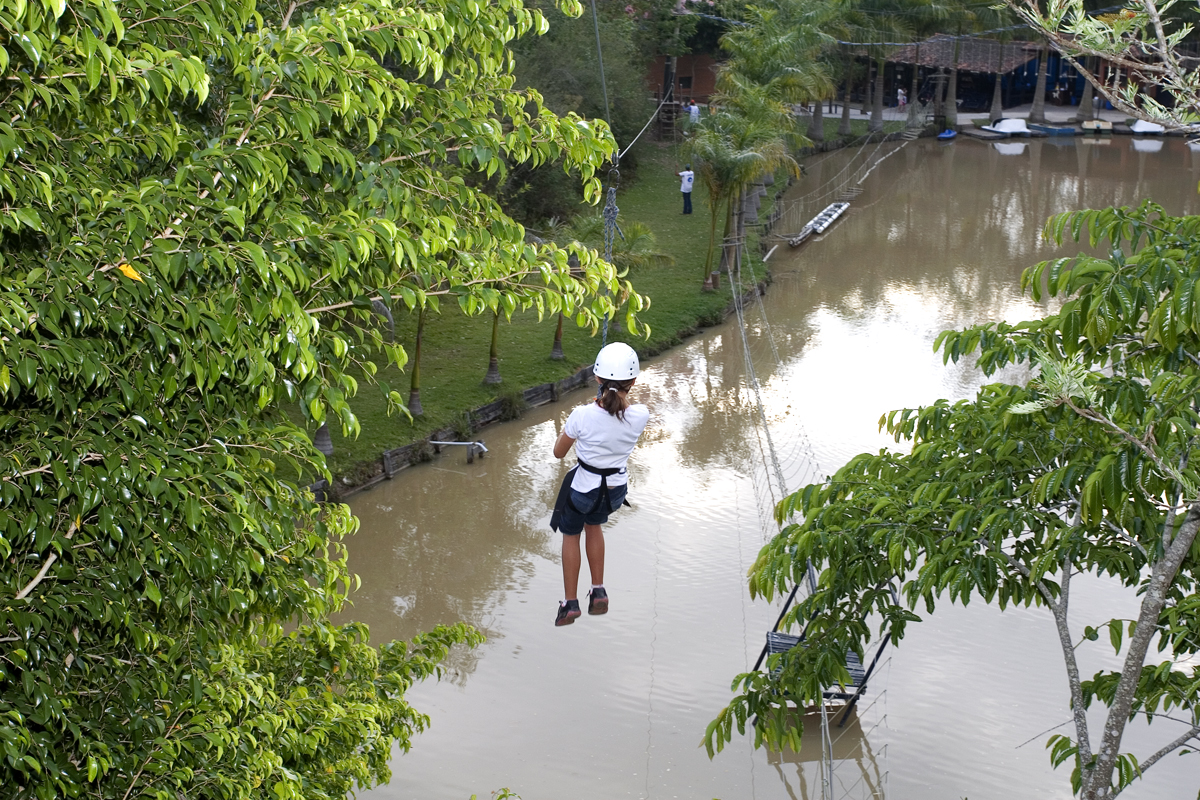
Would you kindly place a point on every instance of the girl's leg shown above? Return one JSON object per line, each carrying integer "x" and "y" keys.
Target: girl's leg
{"x": 571, "y": 561}
{"x": 595, "y": 555}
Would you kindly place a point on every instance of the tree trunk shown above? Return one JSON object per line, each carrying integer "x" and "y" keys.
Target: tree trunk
{"x": 1096, "y": 781}
{"x": 556, "y": 352}
{"x": 1038, "y": 112}
{"x": 414, "y": 387}
{"x": 997, "y": 100}
{"x": 877, "y": 100}
{"x": 939, "y": 94}
{"x": 714, "y": 204}
{"x": 1086, "y": 109}
{"x": 866, "y": 103}
{"x": 816, "y": 125}
{"x": 913, "y": 103}
{"x": 322, "y": 440}
{"x": 952, "y": 88}
{"x": 844, "y": 125}
{"x": 493, "y": 373}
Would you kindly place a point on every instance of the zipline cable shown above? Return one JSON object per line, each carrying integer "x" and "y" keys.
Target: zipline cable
{"x": 670, "y": 93}
{"x": 600, "y": 58}
{"x": 975, "y": 35}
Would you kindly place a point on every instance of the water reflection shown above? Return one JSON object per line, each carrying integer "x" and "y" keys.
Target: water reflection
{"x": 855, "y": 772}
{"x": 615, "y": 706}
{"x": 1010, "y": 148}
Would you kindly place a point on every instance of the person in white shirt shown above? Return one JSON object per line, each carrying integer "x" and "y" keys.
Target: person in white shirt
{"x": 687, "y": 179}
{"x": 693, "y": 112}
{"x": 604, "y": 433}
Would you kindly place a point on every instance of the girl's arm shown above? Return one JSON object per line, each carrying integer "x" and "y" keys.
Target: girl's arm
{"x": 563, "y": 446}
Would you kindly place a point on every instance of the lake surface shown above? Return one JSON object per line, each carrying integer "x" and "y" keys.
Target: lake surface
{"x": 616, "y": 706}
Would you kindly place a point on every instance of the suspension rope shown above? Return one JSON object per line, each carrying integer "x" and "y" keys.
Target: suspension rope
{"x": 600, "y": 58}
{"x": 610, "y": 230}
{"x": 977, "y": 34}
{"x": 670, "y": 93}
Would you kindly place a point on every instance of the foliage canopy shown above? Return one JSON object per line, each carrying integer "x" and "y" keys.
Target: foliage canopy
{"x": 203, "y": 204}
{"x": 1090, "y": 468}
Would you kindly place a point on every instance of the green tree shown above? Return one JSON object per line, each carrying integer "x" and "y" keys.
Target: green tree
{"x": 1143, "y": 39}
{"x": 773, "y": 63}
{"x": 1091, "y": 468}
{"x": 634, "y": 245}
{"x": 731, "y": 148}
{"x": 202, "y": 204}
{"x": 563, "y": 67}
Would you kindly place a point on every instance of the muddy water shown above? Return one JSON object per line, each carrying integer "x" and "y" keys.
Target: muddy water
{"x": 615, "y": 706}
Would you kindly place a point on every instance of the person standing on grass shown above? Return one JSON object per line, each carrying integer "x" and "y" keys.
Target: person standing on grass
{"x": 687, "y": 179}
{"x": 604, "y": 433}
{"x": 693, "y": 112}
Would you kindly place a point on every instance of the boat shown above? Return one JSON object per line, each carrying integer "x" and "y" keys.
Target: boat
{"x": 820, "y": 223}
{"x": 1144, "y": 128}
{"x": 947, "y": 135}
{"x": 799, "y": 238}
{"x": 1008, "y": 127}
{"x": 1053, "y": 130}
{"x": 1096, "y": 125}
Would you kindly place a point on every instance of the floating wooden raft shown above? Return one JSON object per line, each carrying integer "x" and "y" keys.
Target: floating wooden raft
{"x": 782, "y": 642}
{"x": 820, "y": 223}
{"x": 779, "y": 642}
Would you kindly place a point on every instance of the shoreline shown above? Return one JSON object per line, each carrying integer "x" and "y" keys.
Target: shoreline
{"x": 367, "y": 473}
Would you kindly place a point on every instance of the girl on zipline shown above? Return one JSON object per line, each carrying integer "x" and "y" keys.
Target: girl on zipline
{"x": 604, "y": 433}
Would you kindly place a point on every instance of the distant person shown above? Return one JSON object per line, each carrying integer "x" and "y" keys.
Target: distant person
{"x": 901, "y": 98}
{"x": 686, "y": 178}
{"x": 693, "y": 112}
{"x": 604, "y": 433}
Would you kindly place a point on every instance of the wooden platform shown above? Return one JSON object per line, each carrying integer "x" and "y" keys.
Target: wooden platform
{"x": 782, "y": 642}
{"x": 979, "y": 133}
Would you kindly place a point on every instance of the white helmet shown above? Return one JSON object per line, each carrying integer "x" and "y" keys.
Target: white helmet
{"x": 617, "y": 362}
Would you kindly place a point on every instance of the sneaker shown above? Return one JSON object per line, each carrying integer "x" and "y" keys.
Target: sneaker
{"x": 567, "y": 612}
{"x": 598, "y": 601}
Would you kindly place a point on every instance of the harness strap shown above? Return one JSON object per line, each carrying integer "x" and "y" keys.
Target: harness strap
{"x": 603, "y": 472}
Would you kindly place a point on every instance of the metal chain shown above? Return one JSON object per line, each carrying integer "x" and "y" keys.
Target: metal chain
{"x": 610, "y": 231}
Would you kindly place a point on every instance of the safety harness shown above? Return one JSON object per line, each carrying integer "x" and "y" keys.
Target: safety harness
{"x": 564, "y": 493}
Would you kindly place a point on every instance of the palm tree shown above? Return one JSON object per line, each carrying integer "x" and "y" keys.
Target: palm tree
{"x": 1038, "y": 112}
{"x": 779, "y": 52}
{"x": 1086, "y": 108}
{"x": 734, "y": 147}
{"x": 634, "y": 248}
{"x": 493, "y": 373}
{"x": 875, "y": 22}
{"x": 414, "y": 386}
{"x": 773, "y": 64}
{"x": 999, "y": 21}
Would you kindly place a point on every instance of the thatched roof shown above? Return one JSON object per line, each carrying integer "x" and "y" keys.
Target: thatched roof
{"x": 974, "y": 55}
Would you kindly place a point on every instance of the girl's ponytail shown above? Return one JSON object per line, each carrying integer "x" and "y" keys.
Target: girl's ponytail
{"x": 612, "y": 397}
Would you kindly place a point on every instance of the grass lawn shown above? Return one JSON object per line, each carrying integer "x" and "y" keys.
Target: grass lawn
{"x": 858, "y": 127}
{"x": 455, "y": 348}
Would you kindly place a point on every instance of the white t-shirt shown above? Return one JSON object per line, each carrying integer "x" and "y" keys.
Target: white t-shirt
{"x": 694, "y": 112}
{"x": 604, "y": 441}
{"x": 688, "y": 178}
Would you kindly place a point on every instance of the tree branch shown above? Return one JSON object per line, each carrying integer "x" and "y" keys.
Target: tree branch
{"x": 29, "y": 587}
{"x": 1194, "y": 733}
{"x": 1154, "y": 600}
